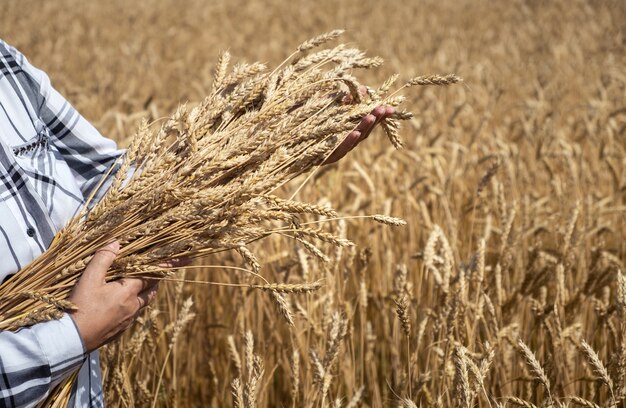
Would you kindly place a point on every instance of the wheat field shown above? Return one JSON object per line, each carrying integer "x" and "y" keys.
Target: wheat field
{"x": 507, "y": 286}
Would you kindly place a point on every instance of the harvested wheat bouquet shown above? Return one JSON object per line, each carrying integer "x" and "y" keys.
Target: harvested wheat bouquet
{"x": 203, "y": 182}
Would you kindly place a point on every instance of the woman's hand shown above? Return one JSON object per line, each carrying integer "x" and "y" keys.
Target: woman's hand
{"x": 361, "y": 132}
{"x": 107, "y": 309}
{"x": 363, "y": 129}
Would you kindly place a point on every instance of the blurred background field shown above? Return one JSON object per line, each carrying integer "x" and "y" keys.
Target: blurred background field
{"x": 513, "y": 184}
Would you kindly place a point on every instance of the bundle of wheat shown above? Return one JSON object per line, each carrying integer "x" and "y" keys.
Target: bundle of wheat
{"x": 202, "y": 183}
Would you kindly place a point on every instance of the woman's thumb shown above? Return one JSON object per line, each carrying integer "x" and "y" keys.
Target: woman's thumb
{"x": 96, "y": 270}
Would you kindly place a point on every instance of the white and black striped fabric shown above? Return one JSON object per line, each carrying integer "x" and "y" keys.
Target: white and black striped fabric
{"x": 50, "y": 160}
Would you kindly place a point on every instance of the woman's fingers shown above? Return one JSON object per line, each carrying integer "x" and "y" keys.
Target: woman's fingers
{"x": 348, "y": 143}
{"x": 362, "y": 130}
{"x": 133, "y": 285}
{"x": 95, "y": 272}
{"x": 379, "y": 113}
{"x": 367, "y": 123}
{"x": 147, "y": 296}
{"x": 348, "y": 99}
{"x": 176, "y": 263}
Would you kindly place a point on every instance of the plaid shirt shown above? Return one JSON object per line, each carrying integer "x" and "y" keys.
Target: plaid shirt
{"x": 50, "y": 159}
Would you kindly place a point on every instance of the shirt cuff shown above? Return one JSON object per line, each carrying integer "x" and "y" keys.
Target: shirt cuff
{"x": 61, "y": 343}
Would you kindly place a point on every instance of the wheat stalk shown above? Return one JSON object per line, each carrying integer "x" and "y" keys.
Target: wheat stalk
{"x": 535, "y": 367}
{"x": 598, "y": 367}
